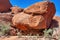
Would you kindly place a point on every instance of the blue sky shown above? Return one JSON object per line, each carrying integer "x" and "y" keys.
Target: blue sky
{"x": 26, "y": 3}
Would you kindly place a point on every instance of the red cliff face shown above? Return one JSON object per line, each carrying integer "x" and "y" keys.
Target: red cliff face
{"x": 5, "y": 5}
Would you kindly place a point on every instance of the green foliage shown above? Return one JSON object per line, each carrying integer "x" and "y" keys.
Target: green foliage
{"x": 48, "y": 32}
{"x": 4, "y": 28}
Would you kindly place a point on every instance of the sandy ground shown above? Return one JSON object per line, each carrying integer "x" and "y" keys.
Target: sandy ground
{"x": 25, "y": 38}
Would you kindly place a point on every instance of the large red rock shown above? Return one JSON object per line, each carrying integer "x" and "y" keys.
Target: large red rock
{"x": 46, "y": 9}
{"x": 37, "y": 16}
{"x": 5, "y": 5}
{"x": 39, "y": 8}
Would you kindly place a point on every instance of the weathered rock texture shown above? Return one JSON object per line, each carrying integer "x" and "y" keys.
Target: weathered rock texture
{"x": 5, "y": 5}
{"x": 37, "y": 16}
{"x": 16, "y": 10}
{"x": 40, "y": 8}
{"x": 7, "y": 17}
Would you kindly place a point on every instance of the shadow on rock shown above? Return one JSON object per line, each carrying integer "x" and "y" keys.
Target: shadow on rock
{"x": 54, "y": 24}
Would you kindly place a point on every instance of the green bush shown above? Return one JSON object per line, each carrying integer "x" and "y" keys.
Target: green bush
{"x": 4, "y": 28}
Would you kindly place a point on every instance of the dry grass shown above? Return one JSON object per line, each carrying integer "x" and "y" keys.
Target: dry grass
{"x": 49, "y": 34}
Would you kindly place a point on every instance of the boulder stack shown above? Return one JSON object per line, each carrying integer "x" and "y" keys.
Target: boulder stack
{"x": 36, "y": 16}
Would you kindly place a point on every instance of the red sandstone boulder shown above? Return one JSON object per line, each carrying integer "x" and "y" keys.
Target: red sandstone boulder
{"x": 19, "y": 19}
{"x": 16, "y": 9}
{"x": 22, "y": 19}
{"x": 37, "y": 16}
{"x": 5, "y": 5}
{"x": 39, "y": 8}
{"x": 46, "y": 9}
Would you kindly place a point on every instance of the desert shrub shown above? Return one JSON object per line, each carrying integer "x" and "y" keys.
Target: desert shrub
{"x": 4, "y": 28}
{"x": 48, "y": 33}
